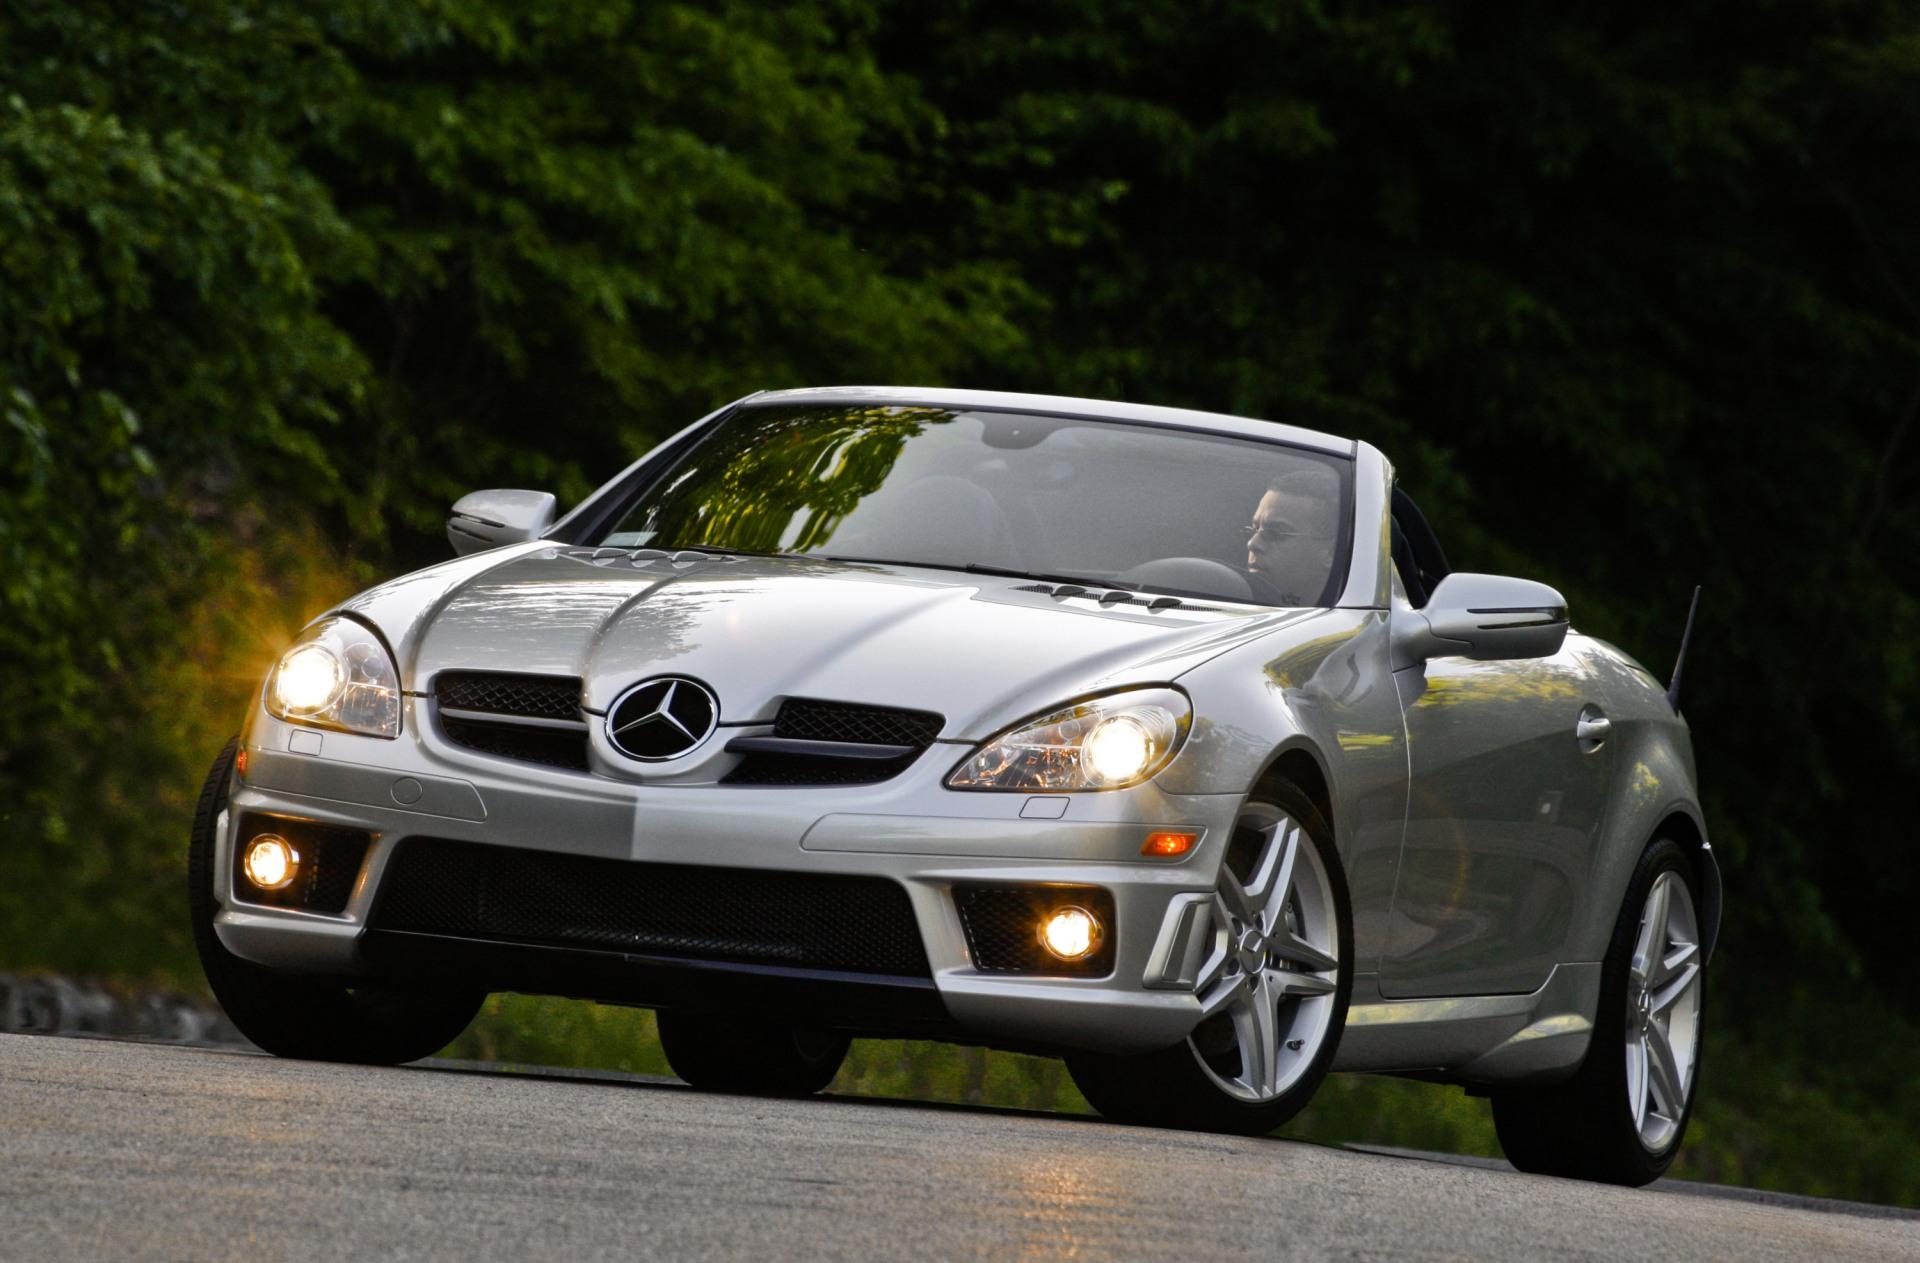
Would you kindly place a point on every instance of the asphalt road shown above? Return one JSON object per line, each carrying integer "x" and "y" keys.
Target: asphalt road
{"x": 119, "y": 1150}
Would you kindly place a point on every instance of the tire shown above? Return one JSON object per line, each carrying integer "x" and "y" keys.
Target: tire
{"x": 722, "y": 1053}
{"x": 312, "y": 1019}
{"x": 1585, "y": 1127}
{"x": 1204, "y": 1083}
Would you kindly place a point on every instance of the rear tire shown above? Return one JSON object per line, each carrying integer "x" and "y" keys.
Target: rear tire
{"x": 292, "y": 1016}
{"x": 718, "y": 1052}
{"x": 1293, "y": 1002}
{"x": 1615, "y": 1121}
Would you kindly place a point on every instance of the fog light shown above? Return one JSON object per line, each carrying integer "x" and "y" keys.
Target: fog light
{"x": 1070, "y": 933}
{"x": 270, "y": 862}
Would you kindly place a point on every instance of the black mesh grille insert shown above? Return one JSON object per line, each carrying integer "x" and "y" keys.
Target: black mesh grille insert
{"x": 555, "y": 747}
{"x": 1002, "y": 924}
{"x": 842, "y": 721}
{"x": 808, "y": 720}
{"x": 330, "y": 859}
{"x": 538, "y": 696}
{"x": 801, "y": 920}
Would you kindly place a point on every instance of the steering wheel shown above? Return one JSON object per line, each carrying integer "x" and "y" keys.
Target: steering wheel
{"x": 1190, "y": 574}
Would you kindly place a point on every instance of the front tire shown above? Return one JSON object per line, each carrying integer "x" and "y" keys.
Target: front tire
{"x": 1274, "y": 988}
{"x": 722, "y": 1053}
{"x": 1621, "y": 1117}
{"x": 291, "y": 1016}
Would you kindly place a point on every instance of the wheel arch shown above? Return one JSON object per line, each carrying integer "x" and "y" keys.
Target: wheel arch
{"x": 1302, "y": 766}
{"x": 1683, "y": 825}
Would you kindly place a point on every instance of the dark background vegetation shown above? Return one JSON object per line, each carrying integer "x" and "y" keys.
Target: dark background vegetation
{"x": 1631, "y": 295}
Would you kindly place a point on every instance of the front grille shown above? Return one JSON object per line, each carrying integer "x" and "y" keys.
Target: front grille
{"x": 330, "y": 859}
{"x": 809, "y": 720}
{"x": 553, "y": 747}
{"x": 798, "y": 920}
{"x": 514, "y": 697}
{"x": 535, "y": 696}
{"x": 804, "y": 719}
{"x": 1002, "y": 925}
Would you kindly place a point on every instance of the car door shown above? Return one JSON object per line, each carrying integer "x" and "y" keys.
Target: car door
{"x": 1503, "y": 811}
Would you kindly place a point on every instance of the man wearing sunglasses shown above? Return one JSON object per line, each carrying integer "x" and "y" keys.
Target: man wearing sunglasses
{"x": 1291, "y": 539}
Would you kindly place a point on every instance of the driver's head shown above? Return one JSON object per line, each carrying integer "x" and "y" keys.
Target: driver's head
{"x": 1290, "y": 540}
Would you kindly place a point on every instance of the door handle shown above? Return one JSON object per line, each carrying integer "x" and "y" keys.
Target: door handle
{"x": 1592, "y": 728}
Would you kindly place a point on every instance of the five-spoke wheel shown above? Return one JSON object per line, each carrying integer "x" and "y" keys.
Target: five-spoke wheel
{"x": 1267, "y": 988}
{"x": 1663, "y": 1012}
{"x": 1621, "y": 1116}
{"x": 1272, "y": 989}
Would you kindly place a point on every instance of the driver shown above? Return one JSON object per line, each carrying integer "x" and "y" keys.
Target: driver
{"x": 1291, "y": 538}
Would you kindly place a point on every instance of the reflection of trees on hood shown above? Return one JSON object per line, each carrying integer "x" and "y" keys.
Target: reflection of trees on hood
{"x": 743, "y": 489}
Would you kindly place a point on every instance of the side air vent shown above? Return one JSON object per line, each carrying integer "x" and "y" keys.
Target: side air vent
{"x": 833, "y": 743}
{"x": 531, "y": 718}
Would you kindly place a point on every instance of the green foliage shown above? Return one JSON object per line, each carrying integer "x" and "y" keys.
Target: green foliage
{"x": 1633, "y": 300}
{"x": 753, "y": 482}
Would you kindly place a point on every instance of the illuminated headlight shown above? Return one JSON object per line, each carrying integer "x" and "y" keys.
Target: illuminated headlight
{"x": 1103, "y": 743}
{"x": 338, "y": 675}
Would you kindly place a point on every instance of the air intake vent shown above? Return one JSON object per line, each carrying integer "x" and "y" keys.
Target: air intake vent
{"x": 496, "y": 693}
{"x": 796, "y": 920}
{"x": 807, "y": 720}
{"x": 532, "y": 718}
{"x": 549, "y": 747}
{"x": 329, "y": 866}
{"x": 1002, "y": 925}
{"x": 833, "y": 743}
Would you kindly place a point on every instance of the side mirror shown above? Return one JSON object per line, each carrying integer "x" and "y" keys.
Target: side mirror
{"x": 1486, "y": 617}
{"x": 488, "y": 519}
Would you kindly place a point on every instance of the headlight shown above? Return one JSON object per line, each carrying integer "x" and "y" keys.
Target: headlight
{"x": 338, "y": 675}
{"x": 1103, "y": 743}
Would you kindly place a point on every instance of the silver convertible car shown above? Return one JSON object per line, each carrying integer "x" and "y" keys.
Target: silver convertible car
{"x": 1160, "y": 740}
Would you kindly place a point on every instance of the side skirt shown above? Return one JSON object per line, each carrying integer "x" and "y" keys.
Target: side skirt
{"x": 1475, "y": 1039}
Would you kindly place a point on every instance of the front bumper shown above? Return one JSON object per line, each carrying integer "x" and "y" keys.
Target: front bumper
{"x": 909, "y": 830}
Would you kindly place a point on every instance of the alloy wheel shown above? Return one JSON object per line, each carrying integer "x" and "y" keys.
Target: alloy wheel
{"x": 1267, "y": 987}
{"x": 1663, "y": 1012}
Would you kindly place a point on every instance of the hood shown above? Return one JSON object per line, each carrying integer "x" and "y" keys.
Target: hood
{"x": 981, "y": 651}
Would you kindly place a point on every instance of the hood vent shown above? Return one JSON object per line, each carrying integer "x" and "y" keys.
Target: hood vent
{"x": 833, "y": 743}
{"x": 1112, "y": 596}
{"x": 530, "y": 718}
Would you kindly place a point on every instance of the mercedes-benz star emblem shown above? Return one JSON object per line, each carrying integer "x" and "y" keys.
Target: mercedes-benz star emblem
{"x": 662, "y": 718}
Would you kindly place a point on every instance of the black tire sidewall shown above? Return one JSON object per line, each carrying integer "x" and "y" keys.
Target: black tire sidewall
{"x": 1583, "y": 1127}
{"x": 724, "y": 1052}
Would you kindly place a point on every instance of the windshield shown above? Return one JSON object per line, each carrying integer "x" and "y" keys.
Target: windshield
{"x": 1062, "y": 498}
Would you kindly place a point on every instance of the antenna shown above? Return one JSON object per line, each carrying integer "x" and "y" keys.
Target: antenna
{"x": 1680, "y": 663}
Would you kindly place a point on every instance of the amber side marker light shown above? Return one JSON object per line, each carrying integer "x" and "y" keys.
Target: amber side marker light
{"x": 1169, "y": 844}
{"x": 270, "y": 861}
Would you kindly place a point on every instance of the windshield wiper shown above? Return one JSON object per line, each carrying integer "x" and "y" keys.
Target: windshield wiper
{"x": 974, "y": 567}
